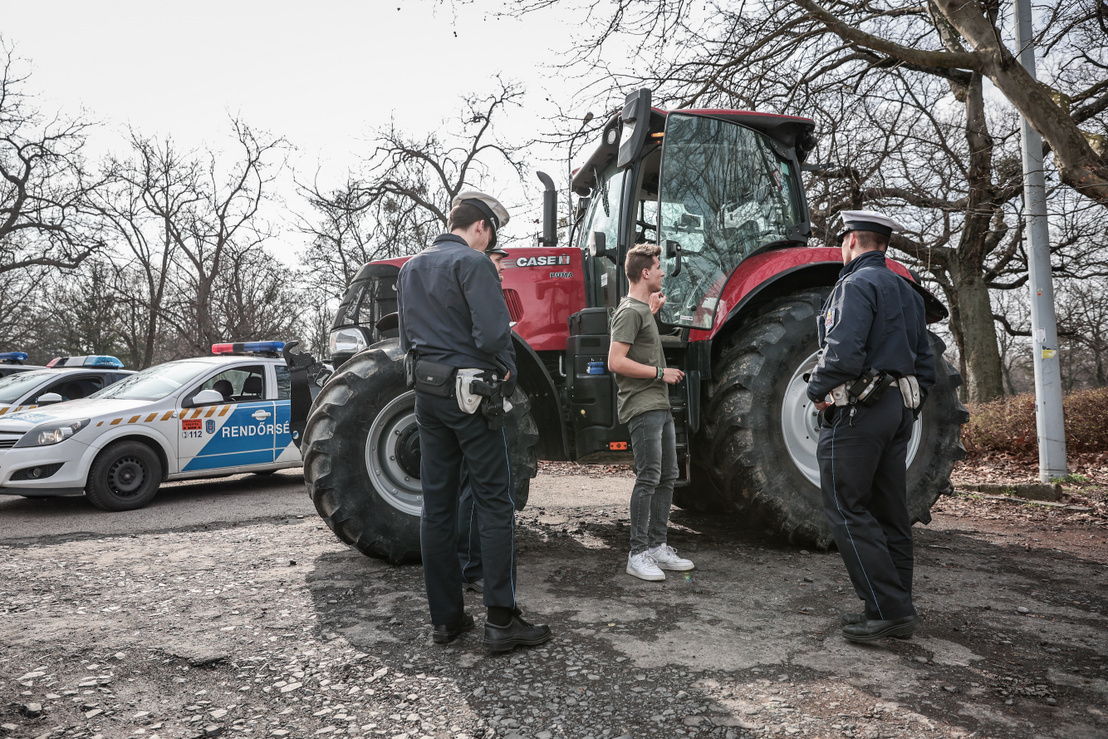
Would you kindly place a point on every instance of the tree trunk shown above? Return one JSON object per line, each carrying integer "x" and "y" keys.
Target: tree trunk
{"x": 976, "y": 337}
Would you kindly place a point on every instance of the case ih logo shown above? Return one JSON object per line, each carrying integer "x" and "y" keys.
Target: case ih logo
{"x": 551, "y": 261}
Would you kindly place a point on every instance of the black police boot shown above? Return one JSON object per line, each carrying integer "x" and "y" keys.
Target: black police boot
{"x": 852, "y": 618}
{"x": 901, "y": 628}
{"x": 446, "y": 633}
{"x": 517, "y": 633}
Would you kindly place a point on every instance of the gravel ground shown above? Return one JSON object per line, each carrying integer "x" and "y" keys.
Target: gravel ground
{"x": 275, "y": 629}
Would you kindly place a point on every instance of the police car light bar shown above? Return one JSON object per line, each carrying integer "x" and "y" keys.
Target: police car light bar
{"x": 103, "y": 360}
{"x": 87, "y": 360}
{"x": 248, "y": 347}
{"x": 13, "y": 357}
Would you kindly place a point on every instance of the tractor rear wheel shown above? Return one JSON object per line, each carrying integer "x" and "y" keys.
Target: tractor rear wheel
{"x": 361, "y": 454}
{"x": 758, "y": 441}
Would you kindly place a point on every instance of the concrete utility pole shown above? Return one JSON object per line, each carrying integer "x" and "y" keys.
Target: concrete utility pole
{"x": 1044, "y": 326}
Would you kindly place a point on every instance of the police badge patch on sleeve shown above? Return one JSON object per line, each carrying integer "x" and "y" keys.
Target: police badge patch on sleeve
{"x": 829, "y": 319}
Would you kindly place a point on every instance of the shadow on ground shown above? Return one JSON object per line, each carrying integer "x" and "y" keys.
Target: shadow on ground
{"x": 1012, "y": 644}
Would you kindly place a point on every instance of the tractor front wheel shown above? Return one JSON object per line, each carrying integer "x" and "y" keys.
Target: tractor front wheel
{"x": 361, "y": 454}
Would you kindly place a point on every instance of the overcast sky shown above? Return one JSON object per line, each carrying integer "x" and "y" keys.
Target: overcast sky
{"x": 321, "y": 74}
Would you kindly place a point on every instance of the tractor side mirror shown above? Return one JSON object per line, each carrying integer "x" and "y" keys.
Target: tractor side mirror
{"x": 598, "y": 244}
{"x": 549, "y": 211}
{"x": 636, "y": 127}
{"x": 673, "y": 251}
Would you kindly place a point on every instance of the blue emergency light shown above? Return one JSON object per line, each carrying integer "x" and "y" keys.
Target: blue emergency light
{"x": 87, "y": 360}
{"x": 103, "y": 360}
{"x": 249, "y": 347}
{"x": 13, "y": 357}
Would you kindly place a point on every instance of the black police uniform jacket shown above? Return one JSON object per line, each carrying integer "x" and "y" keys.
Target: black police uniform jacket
{"x": 452, "y": 310}
{"x": 873, "y": 319}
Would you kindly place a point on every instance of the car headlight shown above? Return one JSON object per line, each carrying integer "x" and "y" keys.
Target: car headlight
{"x": 347, "y": 341}
{"x": 52, "y": 433}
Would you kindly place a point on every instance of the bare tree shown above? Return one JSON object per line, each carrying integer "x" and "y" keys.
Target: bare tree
{"x": 80, "y": 312}
{"x": 147, "y": 209}
{"x": 400, "y": 196}
{"x": 905, "y": 123}
{"x": 20, "y": 309}
{"x": 222, "y": 214}
{"x": 45, "y": 217}
{"x": 254, "y": 297}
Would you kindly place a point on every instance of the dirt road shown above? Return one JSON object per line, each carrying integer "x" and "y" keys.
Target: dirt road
{"x": 270, "y": 627}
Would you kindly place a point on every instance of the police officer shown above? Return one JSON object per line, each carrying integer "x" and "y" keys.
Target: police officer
{"x": 874, "y": 369}
{"x": 452, "y": 316}
{"x": 469, "y": 535}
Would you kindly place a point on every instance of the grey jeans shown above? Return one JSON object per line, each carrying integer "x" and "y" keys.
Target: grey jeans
{"x": 655, "y": 446}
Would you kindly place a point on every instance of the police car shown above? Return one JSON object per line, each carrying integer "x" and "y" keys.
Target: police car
{"x": 79, "y": 378}
{"x": 13, "y": 362}
{"x": 205, "y": 417}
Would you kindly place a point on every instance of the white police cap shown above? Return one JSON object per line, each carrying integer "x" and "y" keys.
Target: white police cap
{"x": 487, "y": 204}
{"x": 867, "y": 220}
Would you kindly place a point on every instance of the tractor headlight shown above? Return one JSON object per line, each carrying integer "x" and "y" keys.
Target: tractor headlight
{"x": 51, "y": 433}
{"x": 347, "y": 341}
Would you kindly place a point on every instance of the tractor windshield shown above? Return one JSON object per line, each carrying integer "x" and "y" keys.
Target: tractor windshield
{"x": 725, "y": 193}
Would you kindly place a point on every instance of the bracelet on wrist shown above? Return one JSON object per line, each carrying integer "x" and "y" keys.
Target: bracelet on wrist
{"x": 661, "y": 373}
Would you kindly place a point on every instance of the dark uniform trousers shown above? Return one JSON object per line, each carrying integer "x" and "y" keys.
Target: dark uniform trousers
{"x": 864, "y": 485}
{"x": 469, "y": 533}
{"x": 447, "y": 438}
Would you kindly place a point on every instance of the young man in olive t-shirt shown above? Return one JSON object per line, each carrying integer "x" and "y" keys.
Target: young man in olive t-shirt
{"x": 635, "y": 356}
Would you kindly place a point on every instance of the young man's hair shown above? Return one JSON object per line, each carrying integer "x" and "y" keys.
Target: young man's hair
{"x": 640, "y": 257}
{"x": 872, "y": 240}
{"x": 463, "y": 216}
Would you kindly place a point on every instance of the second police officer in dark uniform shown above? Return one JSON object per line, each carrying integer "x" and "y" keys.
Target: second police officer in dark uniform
{"x": 874, "y": 369}
{"x": 453, "y": 317}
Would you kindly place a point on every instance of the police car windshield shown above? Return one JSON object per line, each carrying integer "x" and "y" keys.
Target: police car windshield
{"x": 14, "y": 386}
{"x": 154, "y": 383}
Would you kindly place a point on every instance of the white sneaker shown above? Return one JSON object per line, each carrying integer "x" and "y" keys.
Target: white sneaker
{"x": 642, "y": 566}
{"x": 665, "y": 557}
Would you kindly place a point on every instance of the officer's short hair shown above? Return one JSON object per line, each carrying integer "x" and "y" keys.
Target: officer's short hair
{"x": 640, "y": 257}
{"x": 871, "y": 240}
{"x": 463, "y": 216}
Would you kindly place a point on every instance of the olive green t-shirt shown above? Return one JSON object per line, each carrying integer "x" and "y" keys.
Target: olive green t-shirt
{"x": 633, "y": 324}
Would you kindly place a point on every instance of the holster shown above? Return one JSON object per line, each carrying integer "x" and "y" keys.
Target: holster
{"x": 866, "y": 390}
{"x": 909, "y": 390}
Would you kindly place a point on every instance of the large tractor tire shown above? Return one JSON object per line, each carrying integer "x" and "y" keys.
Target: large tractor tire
{"x": 758, "y": 442}
{"x": 361, "y": 454}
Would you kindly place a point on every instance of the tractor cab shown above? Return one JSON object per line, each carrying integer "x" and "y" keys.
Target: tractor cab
{"x": 712, "y": 187}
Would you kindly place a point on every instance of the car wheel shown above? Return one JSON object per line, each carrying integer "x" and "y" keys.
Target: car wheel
{"x": 124, "y": 476}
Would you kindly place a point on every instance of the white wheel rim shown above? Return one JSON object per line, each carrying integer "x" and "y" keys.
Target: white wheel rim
{"x": 397, "y": 486}
{"x": 799, "y": 424}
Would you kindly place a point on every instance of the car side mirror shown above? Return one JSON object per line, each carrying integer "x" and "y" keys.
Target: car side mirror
{"x": 598, "y": 244}
{"x": 204, "y": 397}
{"x": 48, "y": 399}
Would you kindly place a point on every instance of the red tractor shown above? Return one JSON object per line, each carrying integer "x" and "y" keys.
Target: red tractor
{"x": 721, "y": 191}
